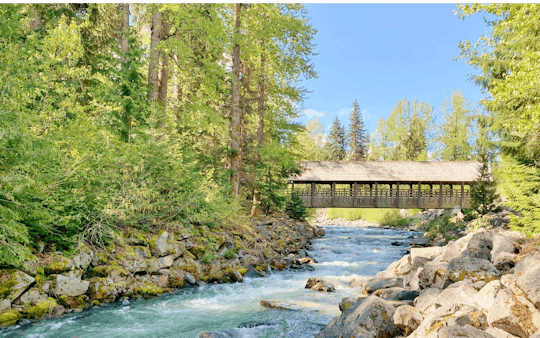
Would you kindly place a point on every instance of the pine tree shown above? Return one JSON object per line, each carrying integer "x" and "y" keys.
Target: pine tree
{"x": 357, "y": 135}
{"x": 337, "y": 141}
{"x": 483, "y": 190}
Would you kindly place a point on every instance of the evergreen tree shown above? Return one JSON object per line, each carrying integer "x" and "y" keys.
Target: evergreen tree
{"x": 357, "y": 135}
{"x": 337, "y": 141}
{"x": 483, "y": 190}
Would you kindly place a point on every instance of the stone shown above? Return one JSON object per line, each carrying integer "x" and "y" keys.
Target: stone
{"x": 33, "y": 296}
{"x": 503, "y": 244}
{"x": 162, "y": 281}
{"x": 236, "y": 277}
{"x": 374, "y": 284}
{"x": 347, "y": 301}
{"x": 529, "y": 283}
{"x": 370, "y": 317}
{"x": 457, "y": 331}
{"x": 323, "y": 286}
{"x": 312, "y": 282}
{"x": 5, "y": 304}
{"x": 165, "y": 262}
{"x": 161, "y": 246}
{"x": 498, "y": 333}
{"x": 133, "y": 262}
{"x": 485, "y": 298}
{"x": 177, "y": 249}
{"x": 30, "y": 267}
{"x": 536, "y": 335}
{"x": 424, "y": 254}
{"x": 307, "y": 260}
{"x": 189, "y": 279}
{"x": 70, "y": 286}
{"x": 125, "y": 302}
{"x": 17, "y": 282}
{"x": 471, "y": 269}
{"x": 407, "y": 318}
{"x": 420, "y": 242}
{"x": 396, "y": 293}
{"x": 456, "y": 296}
{"x": 504, "y": 261}
{"x": 433, "y": 274}
{"x": 250, "y": 260}
{"x": 357, "y": 282}
{"x": 527, "y": 262}
{"x": 277, "y": 304}
{"x": 514, "y": 314}
{"x": 252, "y": 273}
{"x": 426, "y": 299}
{"x": 102, "y": 289}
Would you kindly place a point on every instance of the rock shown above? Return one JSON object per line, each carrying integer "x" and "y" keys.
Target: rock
{"x": 471, "y": 269}
{"x": 407, "y": 318}
{"x": 456, "y": 331}
{"x": 514, "y": 314}
{"x": 165, "y": 262}
{"x": 374, "y": 284}
{"x": 30, "y": 267}
{"x": 370, "y": 317}
{"x": 70, "y": 286}
{"x": 307, "y": 260}
{"x": 456, "y": 297}
{"x": 33, "y": 296}
{"x": 504, "y": 261}
{"x": 5, "y": 304}
{"x": 277, "y": 304}
{"x": 536, "y": 335}
{"x": 161, "y": 281}
{"x": 152, "y": 265}
{"x": 396, "y": 293}
{"x": 250, "y": 260}
{"x": 485, "y": 298}
{"x": 133, "y": 262}
{"x": 426, "y": 300}
{"x": 323, "y": 286}
{"x": 236, "y": 276}
{"x": 15, "y": 282}
{"x": 357, "y": 282}
{"x": 102, "y": 289}
{"x": 503, "y": 244}
{"x": 527, "y": 262}
{"x": 161, "y": 246}
{"x": 420, "y": 242}
{"x": 529, "y": 283}
{"x": 347, "y": 301}
{"x": 498, "y": 333}
{"x": 125, "y": 302}
{"x": 396, "y": 243}
{"x": 423, "y": 255}
{"x": 252, "y": 273}
{"x": 433, "y": 274}
{"x": 177, "y": 249}
{"x": 312, "y": 282}
{"x": 189, "y": 279}
{"x": 58, "y": 264}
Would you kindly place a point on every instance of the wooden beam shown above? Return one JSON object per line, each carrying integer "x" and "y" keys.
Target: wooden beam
{"x": 397, "y": 195}
{"x": 292, "y": 188}
{"x": 462, "y": 194}
{"x": 419, "y": 195}
{"x": 376, "y": 197}
{"x": 440, "y": 195}
{"x": 312, "y": 193}
{"x": 355, "y": 189}
{"x": 333, "y": 194}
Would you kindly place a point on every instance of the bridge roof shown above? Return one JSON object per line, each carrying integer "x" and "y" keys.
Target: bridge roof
{"x": 388, "y": 171}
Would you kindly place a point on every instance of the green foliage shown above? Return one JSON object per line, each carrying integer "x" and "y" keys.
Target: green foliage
{"x": 375, "y": 215}
{"x": 394, "y": 218}
{"x": 357, "y": 135}
{"x": 311, "y": 142}
{"x": 208, "y": 257}
{"x": 229, "y": 254}
{"x": 483, "y": 190}
{"x": 337, "y": 141}
{"x": 440, "y": 226}
{"x": 295, "y": 208}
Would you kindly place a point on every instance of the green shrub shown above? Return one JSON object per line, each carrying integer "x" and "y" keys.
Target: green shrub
{"x": 229, "y": 254}
{"x": 208, "y": 257}
{"x": 295, "y": 208}
{"x": 394, "y": 218}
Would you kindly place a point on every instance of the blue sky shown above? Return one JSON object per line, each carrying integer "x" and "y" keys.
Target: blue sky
{"x": 379, "y": 54}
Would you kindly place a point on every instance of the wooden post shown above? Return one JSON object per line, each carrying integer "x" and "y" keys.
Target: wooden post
{"x": 312, "y": 193}
{"x": 333, "y": 194}
{"x": 376, "y": 193}
{"x": 462, "y": 194}
{"x": 440, "y": 196}
{"x": 419, "y": 195}
{"x": 397, "y": 195}
{"x": 355, "y": 188}
{"x": 292, "y": 188}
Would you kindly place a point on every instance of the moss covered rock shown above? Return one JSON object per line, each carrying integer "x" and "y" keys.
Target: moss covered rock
{"x": 73, "y": 302}
{"x": 58, "y": 264}
{"x": 43, "y": 309}
{"x": 13, "y": 283}
{"x": 9, "y": 318}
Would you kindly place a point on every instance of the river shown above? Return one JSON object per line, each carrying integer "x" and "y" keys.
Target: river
{"x": 343, "y": 254}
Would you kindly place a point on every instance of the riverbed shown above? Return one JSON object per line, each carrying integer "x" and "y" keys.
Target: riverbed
{"x": 234, "y": 310}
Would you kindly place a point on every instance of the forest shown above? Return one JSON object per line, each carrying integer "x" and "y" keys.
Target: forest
{"x": 144, "y": 114}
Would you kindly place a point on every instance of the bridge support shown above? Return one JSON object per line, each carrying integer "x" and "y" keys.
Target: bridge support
{"x": 355, "y": 188}
{"x": 312, "y": 194}
{"x": 419, "y": 196}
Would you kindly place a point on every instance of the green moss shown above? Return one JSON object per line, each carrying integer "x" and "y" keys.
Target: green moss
{"x": 95, "y": 302}
{"x": 58, "y": 264}
{"x": 9, "y": 318}
{"x": 208, "y": 257}
{"x": 108, "y": 270}
{"x": 7, "y": 286}
{"x": 42, "y": 308}
{"x": 242, "y": 271}
{"x": 189, "y": 255}
{"x": 151, "y": 289}
{"x": 346, "y": 306}
{"x": 73, "y": 302}
{"x": 152, "y": 241}
{"x": 198, "y": 251}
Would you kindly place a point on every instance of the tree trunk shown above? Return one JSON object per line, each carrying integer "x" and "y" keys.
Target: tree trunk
{"x": 164, "y": 76}
{"x": 235, "y": 119}
{"x": 260, "y": 107}
{"x": 154, "y": 56}
{"x": 124, "y": 12}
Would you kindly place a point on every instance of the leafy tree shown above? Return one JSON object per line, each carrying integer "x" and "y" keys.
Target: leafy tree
{"x": 337, "y": 141}
{"x": 312, "y": 142}
{"x": 357, "y": 135}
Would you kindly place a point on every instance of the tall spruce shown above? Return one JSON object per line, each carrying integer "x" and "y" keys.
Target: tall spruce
{"x": 337, "y": 141}
{"x": 357, "y": 135}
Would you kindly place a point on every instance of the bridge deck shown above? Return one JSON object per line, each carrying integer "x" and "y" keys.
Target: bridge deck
{"x": 321, "y": 197}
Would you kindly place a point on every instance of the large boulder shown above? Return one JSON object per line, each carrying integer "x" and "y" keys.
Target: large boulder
{"x": 503, "y": 244}
{"x": 368, "y": 317}
{"x": 317, "y": 284}
{"x": 70, "y": 286}
{"x": 460, "y": 295}
{"x": 426, "y": 300}
{"x": 498, "y": 333}
{"x": 526, "y": 263}
{"x": 504, "y": 261}
{"x": 32, "y": 296}
{"x": 485, "y": 298}
{"x": 514, "y": 314}
{"x": 374, "y": 284}
{"x": 457, "y": 331}
{"x": 480, "y": 245}
{"x": 14, "y": 283}
{"x": 529, "y": 282}
{"x": 420, "y": 242}
{"x": 419, "y": 255}
{"x": 433, "y": 274}
{"x": 471, "y": 269}
{"x": 357, "y": 282}
{"x": 407, "y": 318}
{"x": 161, "y": 246}
{"x": 396, "y": 293}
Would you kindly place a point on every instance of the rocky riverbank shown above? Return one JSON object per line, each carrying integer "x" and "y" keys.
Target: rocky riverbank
{"x": 484, "y": 284}
{"x": 144, "y": 264}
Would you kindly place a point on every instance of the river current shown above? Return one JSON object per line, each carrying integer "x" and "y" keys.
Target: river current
{"x": 233, "y": 310}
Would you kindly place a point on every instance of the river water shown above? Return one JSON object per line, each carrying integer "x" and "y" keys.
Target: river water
{"x": 343, "y": 254}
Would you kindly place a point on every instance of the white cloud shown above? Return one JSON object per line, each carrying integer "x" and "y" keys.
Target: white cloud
{"x": 310, "y": 113}
{"x": 343, "y": 111}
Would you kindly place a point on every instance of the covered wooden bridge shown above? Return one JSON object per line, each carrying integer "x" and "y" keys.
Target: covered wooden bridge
{"x": 373, "y": 184}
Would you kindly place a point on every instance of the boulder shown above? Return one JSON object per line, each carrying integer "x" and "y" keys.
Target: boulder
{"x": 14, "y": 283}
{"x": 189, "y": 279}
{"x": 503, "y": 244}
{"x": 102, "y": 289}
{"x": 374, "y": 284}
{"x": 471, "y": 269}
{"x": 457, "y": 331}
{"x": 396, "y": 293}
{"x": 161, "y": 247}
{"x": 457, "y": 297}
{"x": 504, "y": 261}
{"x": 323, "y": 286}
{"x": 433, "y": 274}
{"x": 407, "y": 318}
{"x": 250, "y": 260}
{"x": 426, "y": 299}
{"x": 236, "y": 277}
{"x": 32, "y": 296}
{"x": 5, "y": 304}
{"x": 485, "y": 298}
{"x": 536, "y": 335}
{"x": 252, "y": 273}
{"x": 419, "y": 255}
{"x": 277, "y": 304}
{"x": 529, "y": 283}
{"x": 514, "y": 314}
{"x": 370, "y": 317}
{"x": 498, "y": 333}
{"x": 165, "y": 262}
{"x": 312, "y": 281}
{"x": 70, "y": 286}
{"x": 420, "y": 242}
{"x": 480, "y": 245}
{"x": 527, "y": 262}
{"x": 446, "y": 317}
{"x": 357, "y": 282}
{"x": 133, "y": 262}
{"x": 347, "y": 301}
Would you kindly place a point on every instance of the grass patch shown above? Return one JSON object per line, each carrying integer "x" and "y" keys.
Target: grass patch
{"x": 440, "y": 226}
{"x": 376, "y": 215}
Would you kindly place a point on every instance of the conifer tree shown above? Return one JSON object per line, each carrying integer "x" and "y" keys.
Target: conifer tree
{"x": 357, "y": 135}
{"x": 337, "y": 141}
